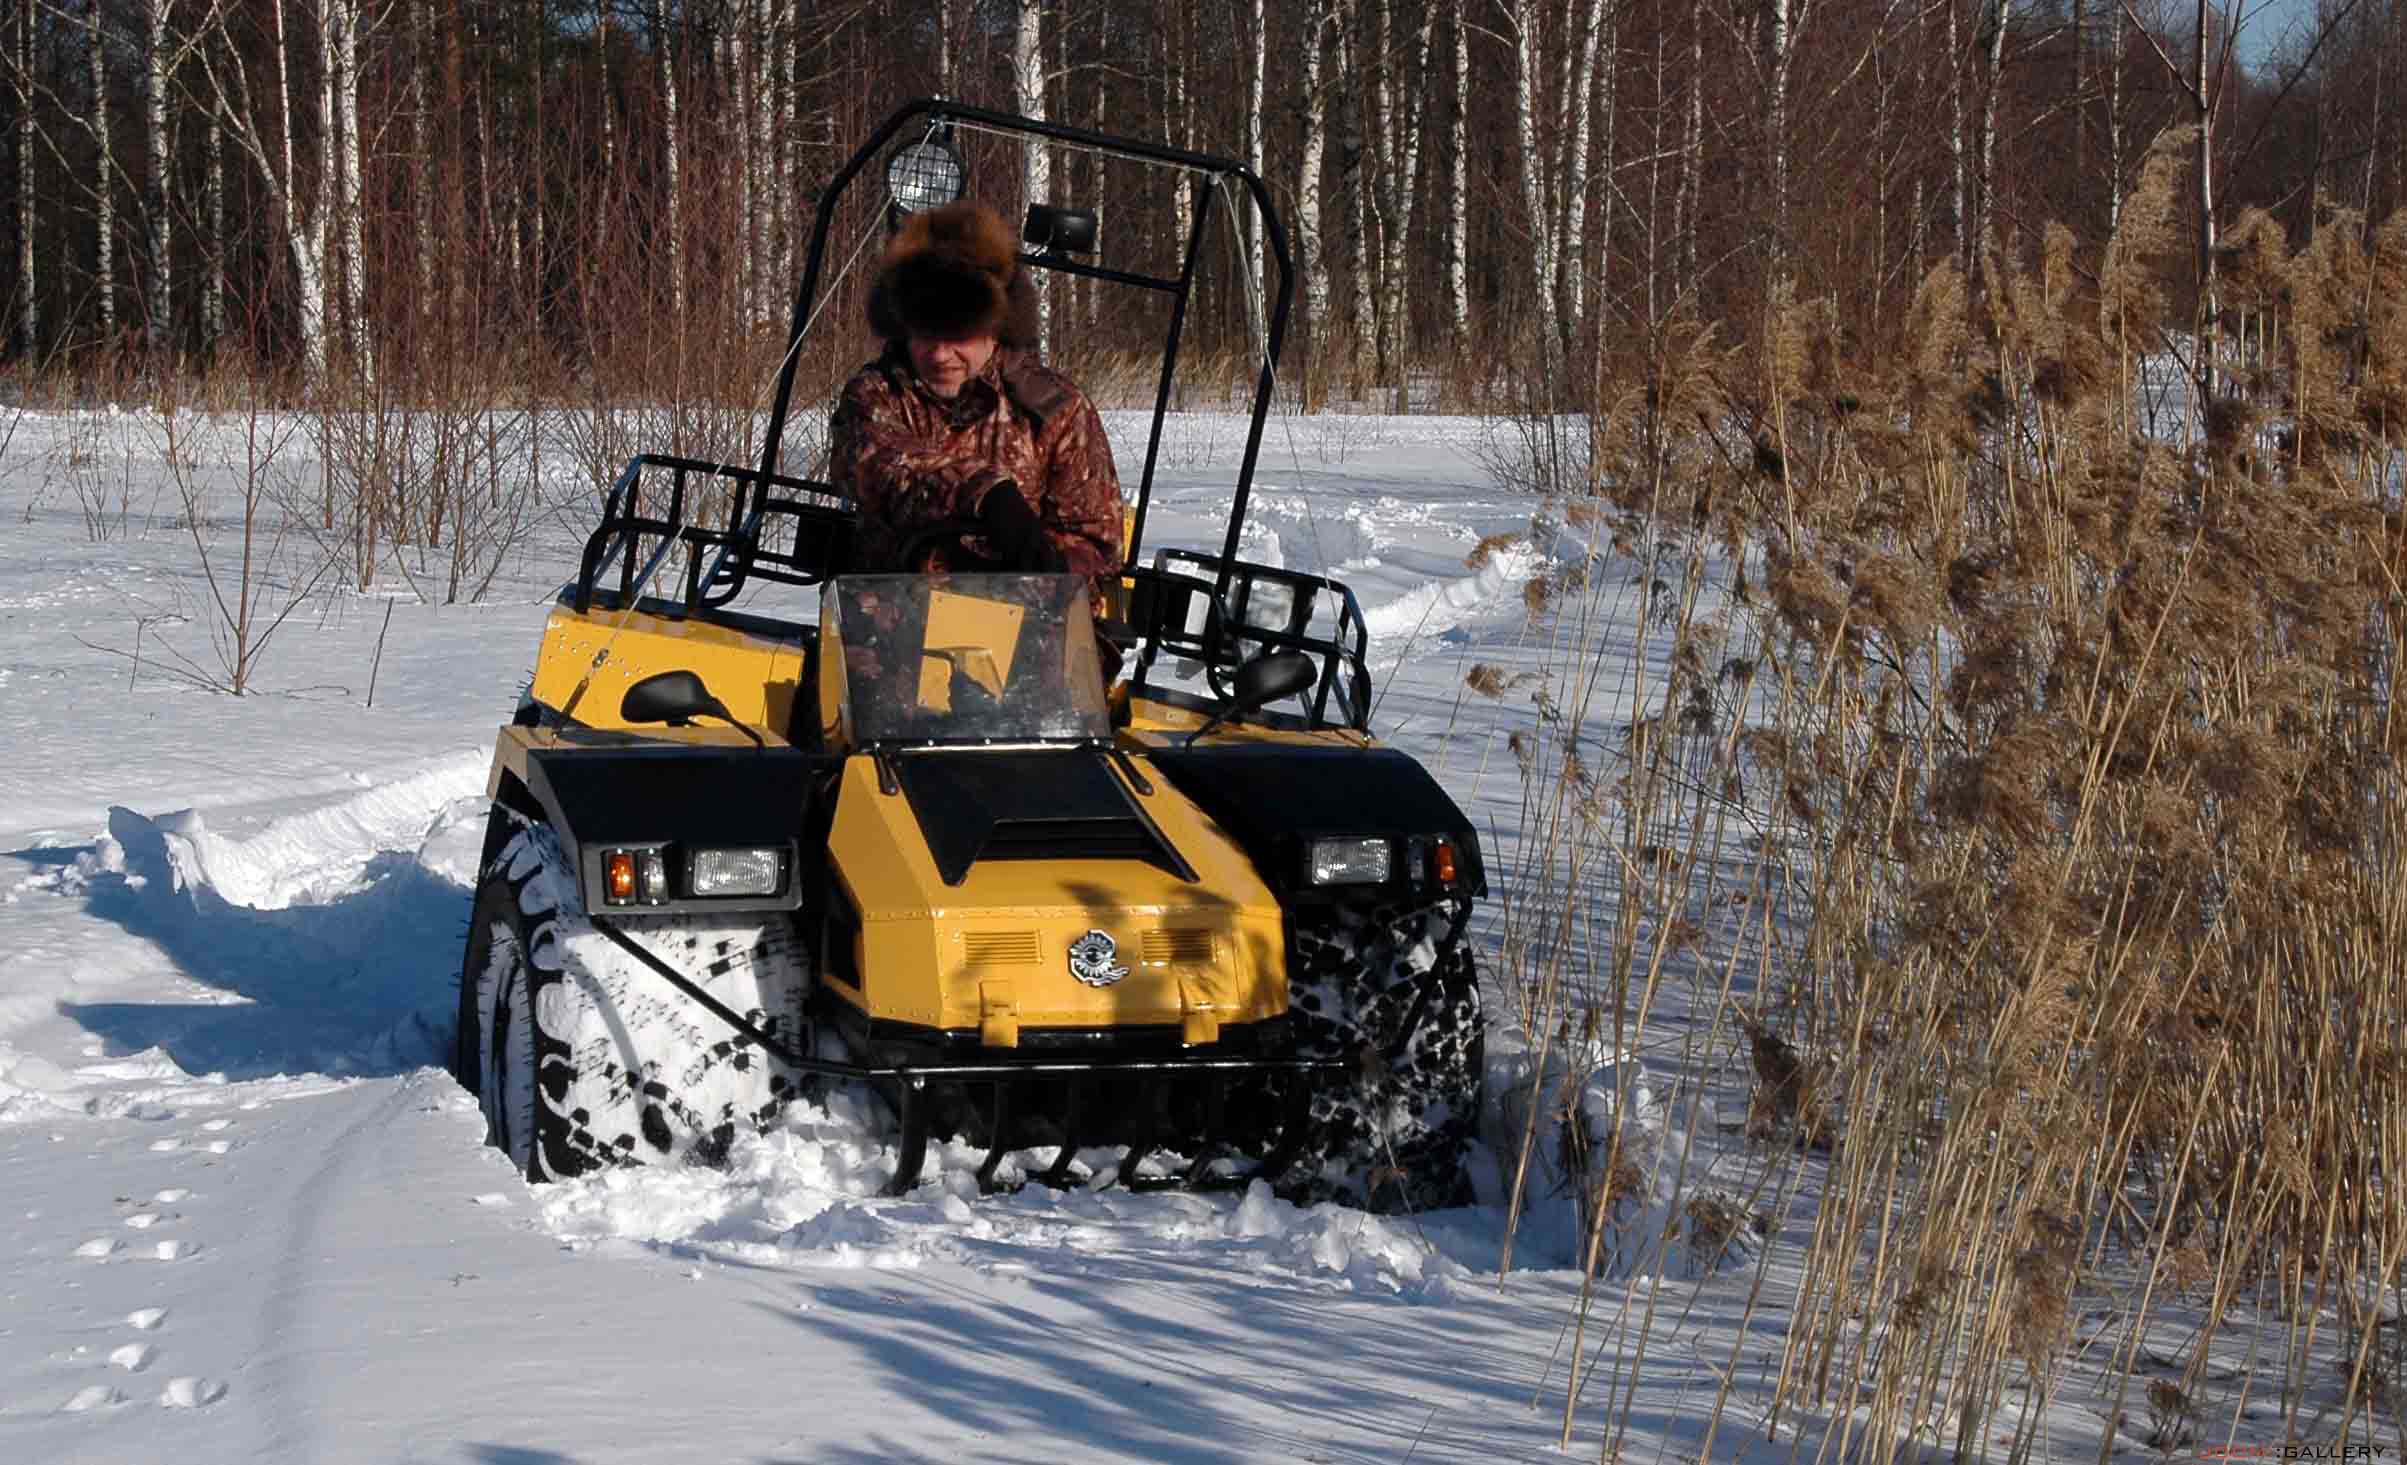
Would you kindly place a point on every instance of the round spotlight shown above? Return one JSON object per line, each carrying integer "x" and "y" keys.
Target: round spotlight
{"x": 925, "y": 175}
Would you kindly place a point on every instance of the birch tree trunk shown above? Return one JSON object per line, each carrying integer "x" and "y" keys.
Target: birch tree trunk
{"x": 213, "y": 206}
{"x": 1985, "y": 224}
{"x": 1579, "y": 162}
{"x": 1354, "y": 171}
{"x": 2114, "y": 125}
{"x": 948, "y": 21}
{"x": 104, "y": 183}
{"x": 2209, "y": 309}
{"x": 740, "y": 49}
{"x": 669, "y": 146}
{"x": 2080, "y": 88}
{"x": 783, "y": 197}
{"x": 304, "y": 230}
{"x": 1692, "y": 153}
{"x": 1458, "y": 219}
{"x": 1544, "y": 268}
{"x": 1957, "y": 233}
{"x": 1254, "y": 243}
{"x": 1311, "y": 259}
{"x": 28, "y": 325}
{"x": 1783, "y": 20}
{"x": 1174, "y": 122}
{"x": 1028, "y": 90}
{"x": 422, "y": 157}
{"x": 159, "y": 302}
{"x": 1399, "y": 172}
{"x": 341, "y": 19}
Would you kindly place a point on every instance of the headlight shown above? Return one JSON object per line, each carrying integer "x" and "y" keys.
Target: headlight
{"x": 1349, "y": 861}
{"x": 737, "y": 871}
{"x": 925, "y": 175}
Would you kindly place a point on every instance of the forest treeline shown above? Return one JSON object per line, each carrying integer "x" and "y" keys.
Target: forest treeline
{"x": 610, "y": 191}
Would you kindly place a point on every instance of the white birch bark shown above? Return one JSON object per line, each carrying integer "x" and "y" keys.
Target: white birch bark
{"x": 1578, "y": 164}
{"x": 159, "y": 304}
{"x": 104, "y": 183}
{"x": 213, "y": 204}
{"x": 303, "y": 225}
{"x": 948, "y": 21}
{"x": 1957, "y": 233}
{"x": 2114, "y": 126}
{"x": 1310, "y": 260}
{"x": 1782, "y": 20}
{"x": 1028, "y": 90}
{"x": 1985, "y": 226}
{"x": 675, "y": 222}
{"x": 2080, "y": 87}
{"x": 2209, "y": 308}
{"x": 1544, "y": 268}
{"x": 1692, "y": 153}
{"x": 1174, "y": 124}
{"x": 341, "y": 19}
{"x": 29, "y": 303}
{"x": 783, "y": 199}
{"x": 1400, "y": 176}
{"x": 1458, "y": 192}
{"x": 739, "y": 74}
{"x": 1354, "y": 177}
{"x": 608, "y": 98}
{"x": 1371, "y": 321}
{"x": 1099, "y": 118}
{"x": 422, "y": 156}
{"x": 1254, "y": 244}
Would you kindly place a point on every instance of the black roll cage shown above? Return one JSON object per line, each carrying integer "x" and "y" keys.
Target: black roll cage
{"x": 788, "y": 530}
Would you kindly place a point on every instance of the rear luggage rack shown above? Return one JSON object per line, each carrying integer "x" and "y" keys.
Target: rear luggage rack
{"x": 787, "y": 531}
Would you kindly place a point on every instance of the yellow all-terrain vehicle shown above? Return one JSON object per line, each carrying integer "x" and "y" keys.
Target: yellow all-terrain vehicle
{"x": 919, "y": 846}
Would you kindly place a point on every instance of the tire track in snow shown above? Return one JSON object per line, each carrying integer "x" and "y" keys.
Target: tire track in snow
{"x": 1435, "y": 607}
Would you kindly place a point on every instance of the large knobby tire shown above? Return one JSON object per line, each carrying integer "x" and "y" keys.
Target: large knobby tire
{"x": 1395, "y": 994}
{"x": 583, "y": 1057}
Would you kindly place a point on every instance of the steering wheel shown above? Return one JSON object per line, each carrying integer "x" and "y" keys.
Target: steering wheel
{"x": 953, "y": 531}
{"x": 932, "y": 536}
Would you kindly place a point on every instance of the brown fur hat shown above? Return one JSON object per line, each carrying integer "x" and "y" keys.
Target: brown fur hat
{"x": 952, "y": 272}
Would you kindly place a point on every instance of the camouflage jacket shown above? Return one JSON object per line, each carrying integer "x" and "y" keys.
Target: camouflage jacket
{"x": 909, "y": 458}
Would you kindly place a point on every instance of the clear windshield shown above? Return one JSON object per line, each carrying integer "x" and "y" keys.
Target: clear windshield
{"x": 963, "y": 658}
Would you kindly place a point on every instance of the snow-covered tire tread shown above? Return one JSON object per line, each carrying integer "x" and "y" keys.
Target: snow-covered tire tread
{"x": 622, "y": 1068}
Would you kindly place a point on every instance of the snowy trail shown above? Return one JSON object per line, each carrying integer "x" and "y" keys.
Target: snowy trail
{"x": 249, "y": 1222}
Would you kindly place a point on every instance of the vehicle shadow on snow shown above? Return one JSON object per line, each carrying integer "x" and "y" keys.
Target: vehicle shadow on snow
{"x": 1244, "y": 1370}
{"x": 361, "y": 985}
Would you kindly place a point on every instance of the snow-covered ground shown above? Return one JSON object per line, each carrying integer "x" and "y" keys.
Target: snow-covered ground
{"x": 249, "y": 1217}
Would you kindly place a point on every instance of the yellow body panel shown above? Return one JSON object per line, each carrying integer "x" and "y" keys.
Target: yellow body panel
{"x": 992, "y": 953}
{"x": 755, "y": 675}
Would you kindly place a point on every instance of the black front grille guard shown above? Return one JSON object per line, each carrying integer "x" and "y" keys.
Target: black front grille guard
{"x": 911, "y": 1080}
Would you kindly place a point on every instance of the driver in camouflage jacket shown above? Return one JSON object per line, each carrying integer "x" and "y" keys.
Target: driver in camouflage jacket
{"x": 959, "y": 420}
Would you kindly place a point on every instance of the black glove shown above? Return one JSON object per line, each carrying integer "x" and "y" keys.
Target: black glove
{"x": 1017, "y": 534}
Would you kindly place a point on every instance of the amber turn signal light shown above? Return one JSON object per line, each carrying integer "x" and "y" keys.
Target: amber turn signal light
{"x": 1441, "y": 861}
{"x": 618, "y": 875}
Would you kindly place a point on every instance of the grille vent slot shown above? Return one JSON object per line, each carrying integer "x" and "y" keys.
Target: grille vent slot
{"x": 1189, "y": 947}
{"x": 999, "y": 948}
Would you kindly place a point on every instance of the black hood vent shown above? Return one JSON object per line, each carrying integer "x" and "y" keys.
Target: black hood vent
{"x": 1027, "y": 804}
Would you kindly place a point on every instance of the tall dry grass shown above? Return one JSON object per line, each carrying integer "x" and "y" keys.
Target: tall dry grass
{"x": 2016, "y": 795}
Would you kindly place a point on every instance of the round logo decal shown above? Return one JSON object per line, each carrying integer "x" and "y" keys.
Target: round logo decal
{"x": 1091, "y": 960}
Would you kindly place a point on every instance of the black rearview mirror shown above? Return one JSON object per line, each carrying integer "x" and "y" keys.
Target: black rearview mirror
{"x": 673, "y": 697}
